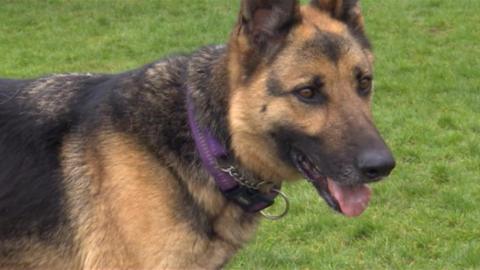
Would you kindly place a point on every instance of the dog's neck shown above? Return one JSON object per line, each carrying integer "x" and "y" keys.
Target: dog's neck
{"x": 163, "y": 129}
{"x": 251, "y": 194}
{"x": 207, "y": 80}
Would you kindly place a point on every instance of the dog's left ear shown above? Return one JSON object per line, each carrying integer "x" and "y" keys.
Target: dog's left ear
{"x": 347, "y": 11}
{"x": 267, "y": 22}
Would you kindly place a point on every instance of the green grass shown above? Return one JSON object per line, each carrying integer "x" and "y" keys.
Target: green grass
{"x": 427, "y": 106}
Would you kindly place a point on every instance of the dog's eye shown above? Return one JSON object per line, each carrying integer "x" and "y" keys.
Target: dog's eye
{"x": 365, "y": 86}
{"x": 309, "y": 95}
{"x": 306, "y": 93}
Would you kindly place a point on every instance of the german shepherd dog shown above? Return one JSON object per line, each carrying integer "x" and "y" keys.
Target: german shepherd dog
{"x": 168, "y": 165}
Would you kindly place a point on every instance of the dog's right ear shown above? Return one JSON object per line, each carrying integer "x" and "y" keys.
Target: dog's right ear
{"x": 266, "y": 23}
{"x": 347, "y": 11}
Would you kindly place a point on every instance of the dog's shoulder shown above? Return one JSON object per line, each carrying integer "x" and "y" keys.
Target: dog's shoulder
{"x": 35, "y": 116}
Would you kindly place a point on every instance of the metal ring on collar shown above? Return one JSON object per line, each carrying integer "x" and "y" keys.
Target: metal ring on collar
{"x": 285, "y": 211}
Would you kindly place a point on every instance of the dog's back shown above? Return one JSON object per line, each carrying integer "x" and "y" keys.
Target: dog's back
{"x": 34, "y": 117}
{"x": 30, "y": 193}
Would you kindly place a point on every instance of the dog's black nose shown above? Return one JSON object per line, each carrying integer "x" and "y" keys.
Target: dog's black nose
{"x": 375, "y": 164}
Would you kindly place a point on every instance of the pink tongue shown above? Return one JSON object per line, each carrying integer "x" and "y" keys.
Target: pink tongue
{"x": 353, "y": 200}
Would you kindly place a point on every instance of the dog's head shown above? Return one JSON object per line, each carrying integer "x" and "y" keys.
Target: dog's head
{"x": 301, "y": 82}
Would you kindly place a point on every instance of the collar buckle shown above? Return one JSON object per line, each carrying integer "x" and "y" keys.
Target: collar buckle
{"x": 251, "y": 200}
{"x": 248, "y": 196}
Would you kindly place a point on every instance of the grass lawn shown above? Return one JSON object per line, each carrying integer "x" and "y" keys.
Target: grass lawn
{"x": 427, "y": 106}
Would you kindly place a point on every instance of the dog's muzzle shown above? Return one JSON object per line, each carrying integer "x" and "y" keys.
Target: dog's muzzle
{"x": 350, "y": 200}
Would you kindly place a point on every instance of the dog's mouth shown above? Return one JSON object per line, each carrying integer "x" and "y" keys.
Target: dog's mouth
{"x": 350, "y": 200}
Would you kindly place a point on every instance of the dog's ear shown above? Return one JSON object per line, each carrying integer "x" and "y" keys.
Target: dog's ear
{"x": 267, "y": 22}
{"x": 347, "y": 11}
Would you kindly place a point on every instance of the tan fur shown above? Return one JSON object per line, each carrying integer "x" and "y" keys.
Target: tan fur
{"x": 314, "y": 17}
{"x": 130, "y": 222}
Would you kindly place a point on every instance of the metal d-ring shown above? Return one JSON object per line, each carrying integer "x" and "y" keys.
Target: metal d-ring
{"x": 285, "y": 211}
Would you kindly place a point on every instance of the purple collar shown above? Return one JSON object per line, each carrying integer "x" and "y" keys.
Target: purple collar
{"x": 231, "y": 183}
